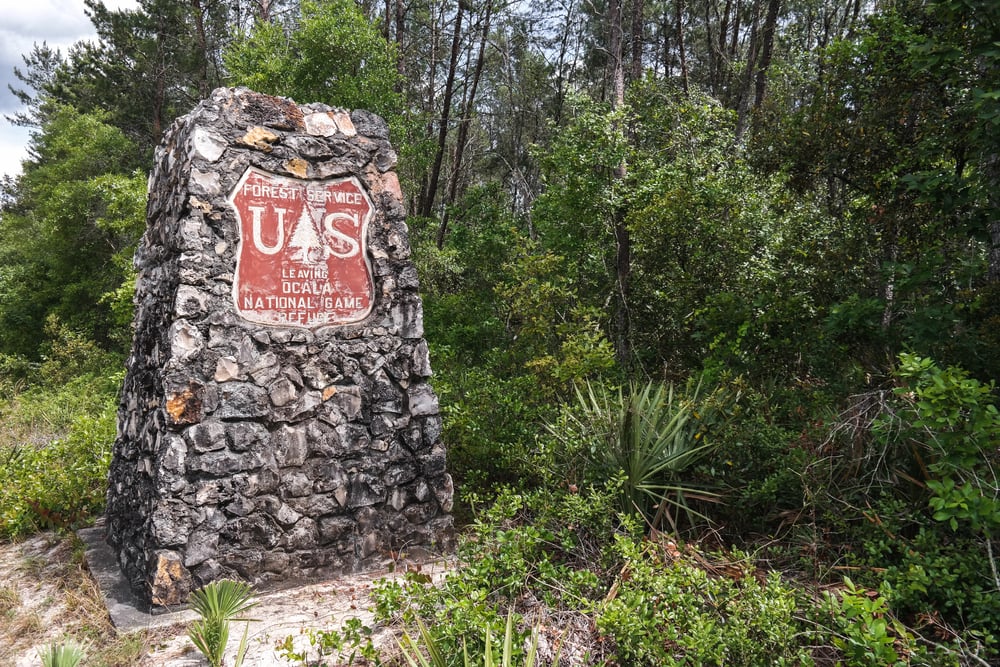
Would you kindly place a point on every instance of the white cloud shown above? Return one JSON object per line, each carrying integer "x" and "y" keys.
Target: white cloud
{"x": 12, "y": 151}
{"x": 23, "y": 23}
{"x": 57, "y": 19}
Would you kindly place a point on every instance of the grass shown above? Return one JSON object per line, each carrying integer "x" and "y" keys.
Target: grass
{"x": 48, "y": 596}
{"x": 9, "y": 599}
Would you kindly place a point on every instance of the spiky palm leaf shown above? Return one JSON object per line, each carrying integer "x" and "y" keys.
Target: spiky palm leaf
{"x": 435, "y": 656}
{"x": 218, "y": 603}
{"x": 650, "y": 434}
{"x": 68, "y": 654}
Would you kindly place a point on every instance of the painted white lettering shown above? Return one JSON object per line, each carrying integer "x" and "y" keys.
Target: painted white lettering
{"x": 258, "y": 241}
{"x": 341, "y": 245}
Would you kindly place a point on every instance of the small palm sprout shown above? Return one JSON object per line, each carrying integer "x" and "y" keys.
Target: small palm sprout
{"x": 218, "y": 604}
{"x": 435, "y": 657}
{"x": 68, "y": 654}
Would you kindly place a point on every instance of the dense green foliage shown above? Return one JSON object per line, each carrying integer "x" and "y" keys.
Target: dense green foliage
{"x": 58, "y": 427}
{"x": 333, "y": 54}
{"x": 725, "y": 269}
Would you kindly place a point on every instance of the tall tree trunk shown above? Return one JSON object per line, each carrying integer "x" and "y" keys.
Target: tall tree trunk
{"x": 431, "y": 97}
{"x": 743, "y": 103}
{"x": 623, "y": 245}
{"x": 637, "y": 25}
{"x": 464, "y": 122}
{"x": 263, "y": 13}
{"x": 734, "y": 41}
{"x": 718, "y": 74}
{"x": 665, "y": 29}
{"x": 561, "y": 68}
{"x": 159, "y": 86}
{"x": 679, "y": 5}
{"x": 617, "y": 66}
{"x": 710, "y": 47}
{"x": 400, "y": 31}
{"x": 773, "y": 7}
{"x": 891, "y": 254}
{"x": 449, "y": 85}
{"x": 992, "y": 172}
{"x": 204, "y": 88}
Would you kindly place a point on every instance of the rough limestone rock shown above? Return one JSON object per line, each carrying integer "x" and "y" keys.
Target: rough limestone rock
{"x": 276, "y": 421}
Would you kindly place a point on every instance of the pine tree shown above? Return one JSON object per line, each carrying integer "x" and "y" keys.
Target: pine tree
{"x": 306, "y": 240}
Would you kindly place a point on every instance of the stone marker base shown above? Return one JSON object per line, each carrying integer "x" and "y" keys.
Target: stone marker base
{"x": 277, "y": 421}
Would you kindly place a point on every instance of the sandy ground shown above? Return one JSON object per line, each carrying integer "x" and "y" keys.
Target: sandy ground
{"x": 47, "y": 594}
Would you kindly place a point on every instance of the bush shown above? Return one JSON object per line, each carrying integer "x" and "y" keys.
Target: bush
{"x": 61, "y": 483}
{"x": 865, "y": 631}
{"x": 757, "y": 467}
{"x": 546, "y": 548}
{"x": 652, "y": 434}
{"x": 946, "y": 576}
{"x": 666, "y": 610}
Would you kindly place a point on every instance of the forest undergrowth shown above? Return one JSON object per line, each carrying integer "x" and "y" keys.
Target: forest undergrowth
{"x": 711, "y": 289}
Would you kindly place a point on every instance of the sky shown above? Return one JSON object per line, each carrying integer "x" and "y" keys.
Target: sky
{"x": 59, "y": 23}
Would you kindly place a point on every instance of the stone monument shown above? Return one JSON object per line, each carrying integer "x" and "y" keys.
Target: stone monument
{"x": 276, "y": 421}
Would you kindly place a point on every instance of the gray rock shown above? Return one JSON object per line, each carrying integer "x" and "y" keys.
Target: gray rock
{"x": 202, "y": 545}
{"x": 422, "y": 400}
{"x": 241, "y": 400}
{"x": 290, "y": 446}
{"x": 207, "y": 436}
{"x": 282, "y": 391}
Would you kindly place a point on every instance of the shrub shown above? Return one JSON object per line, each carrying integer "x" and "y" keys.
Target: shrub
{"x": 61, "y": 484}
{"x": 954, "y": 418}
{"x": 866, "y": 632}
{"x": 351, "y": 642}
{"x": 545, "y": 547}
{"x": 69, "y": 654}
{"x": 652, "y": 434}
{"x": 666, "y": 610}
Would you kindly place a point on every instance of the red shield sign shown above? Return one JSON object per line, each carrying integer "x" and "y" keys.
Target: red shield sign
{"x": 303, "y": 259}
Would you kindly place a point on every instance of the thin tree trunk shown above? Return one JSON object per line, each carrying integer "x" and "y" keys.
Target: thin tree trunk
{"x": 159, "y": 91}
{"x": 718, "y": 76}
{"x": 464, "y": 122}
{"x": 637, "y": 24}
{"x": 561, "y": 69}
{"x": 199, "y": 22}
{"x": 623, "y": 260}
{"x": 710, "y": 44}
{"x": 665, "y": 28}
{"x": 743, "y": 104}
{"x": 400, "y": 18}
{"x": 263, "y": 10}
{"x": 679, "y": 5}
{"x": 890, "y": 286}
{"x": 773, "y": 7}
{"x": 854, "y": 17}
{"x": 733, "y": 49}
{"x": 992, "y": 172}
{"x": 449, "y": 86}
{"x": 430, "y": 100}
{"x": 615, "y": 52}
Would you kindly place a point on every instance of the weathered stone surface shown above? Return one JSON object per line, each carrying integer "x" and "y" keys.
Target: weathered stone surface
{"x": 423, "y": 402}
{"x": 241, "y": 400}
{"x": 202, "y": 545}
{"x": 226, "y": 369}
{"x": 292, "y": 448}
{"x": 170, "y": 581}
